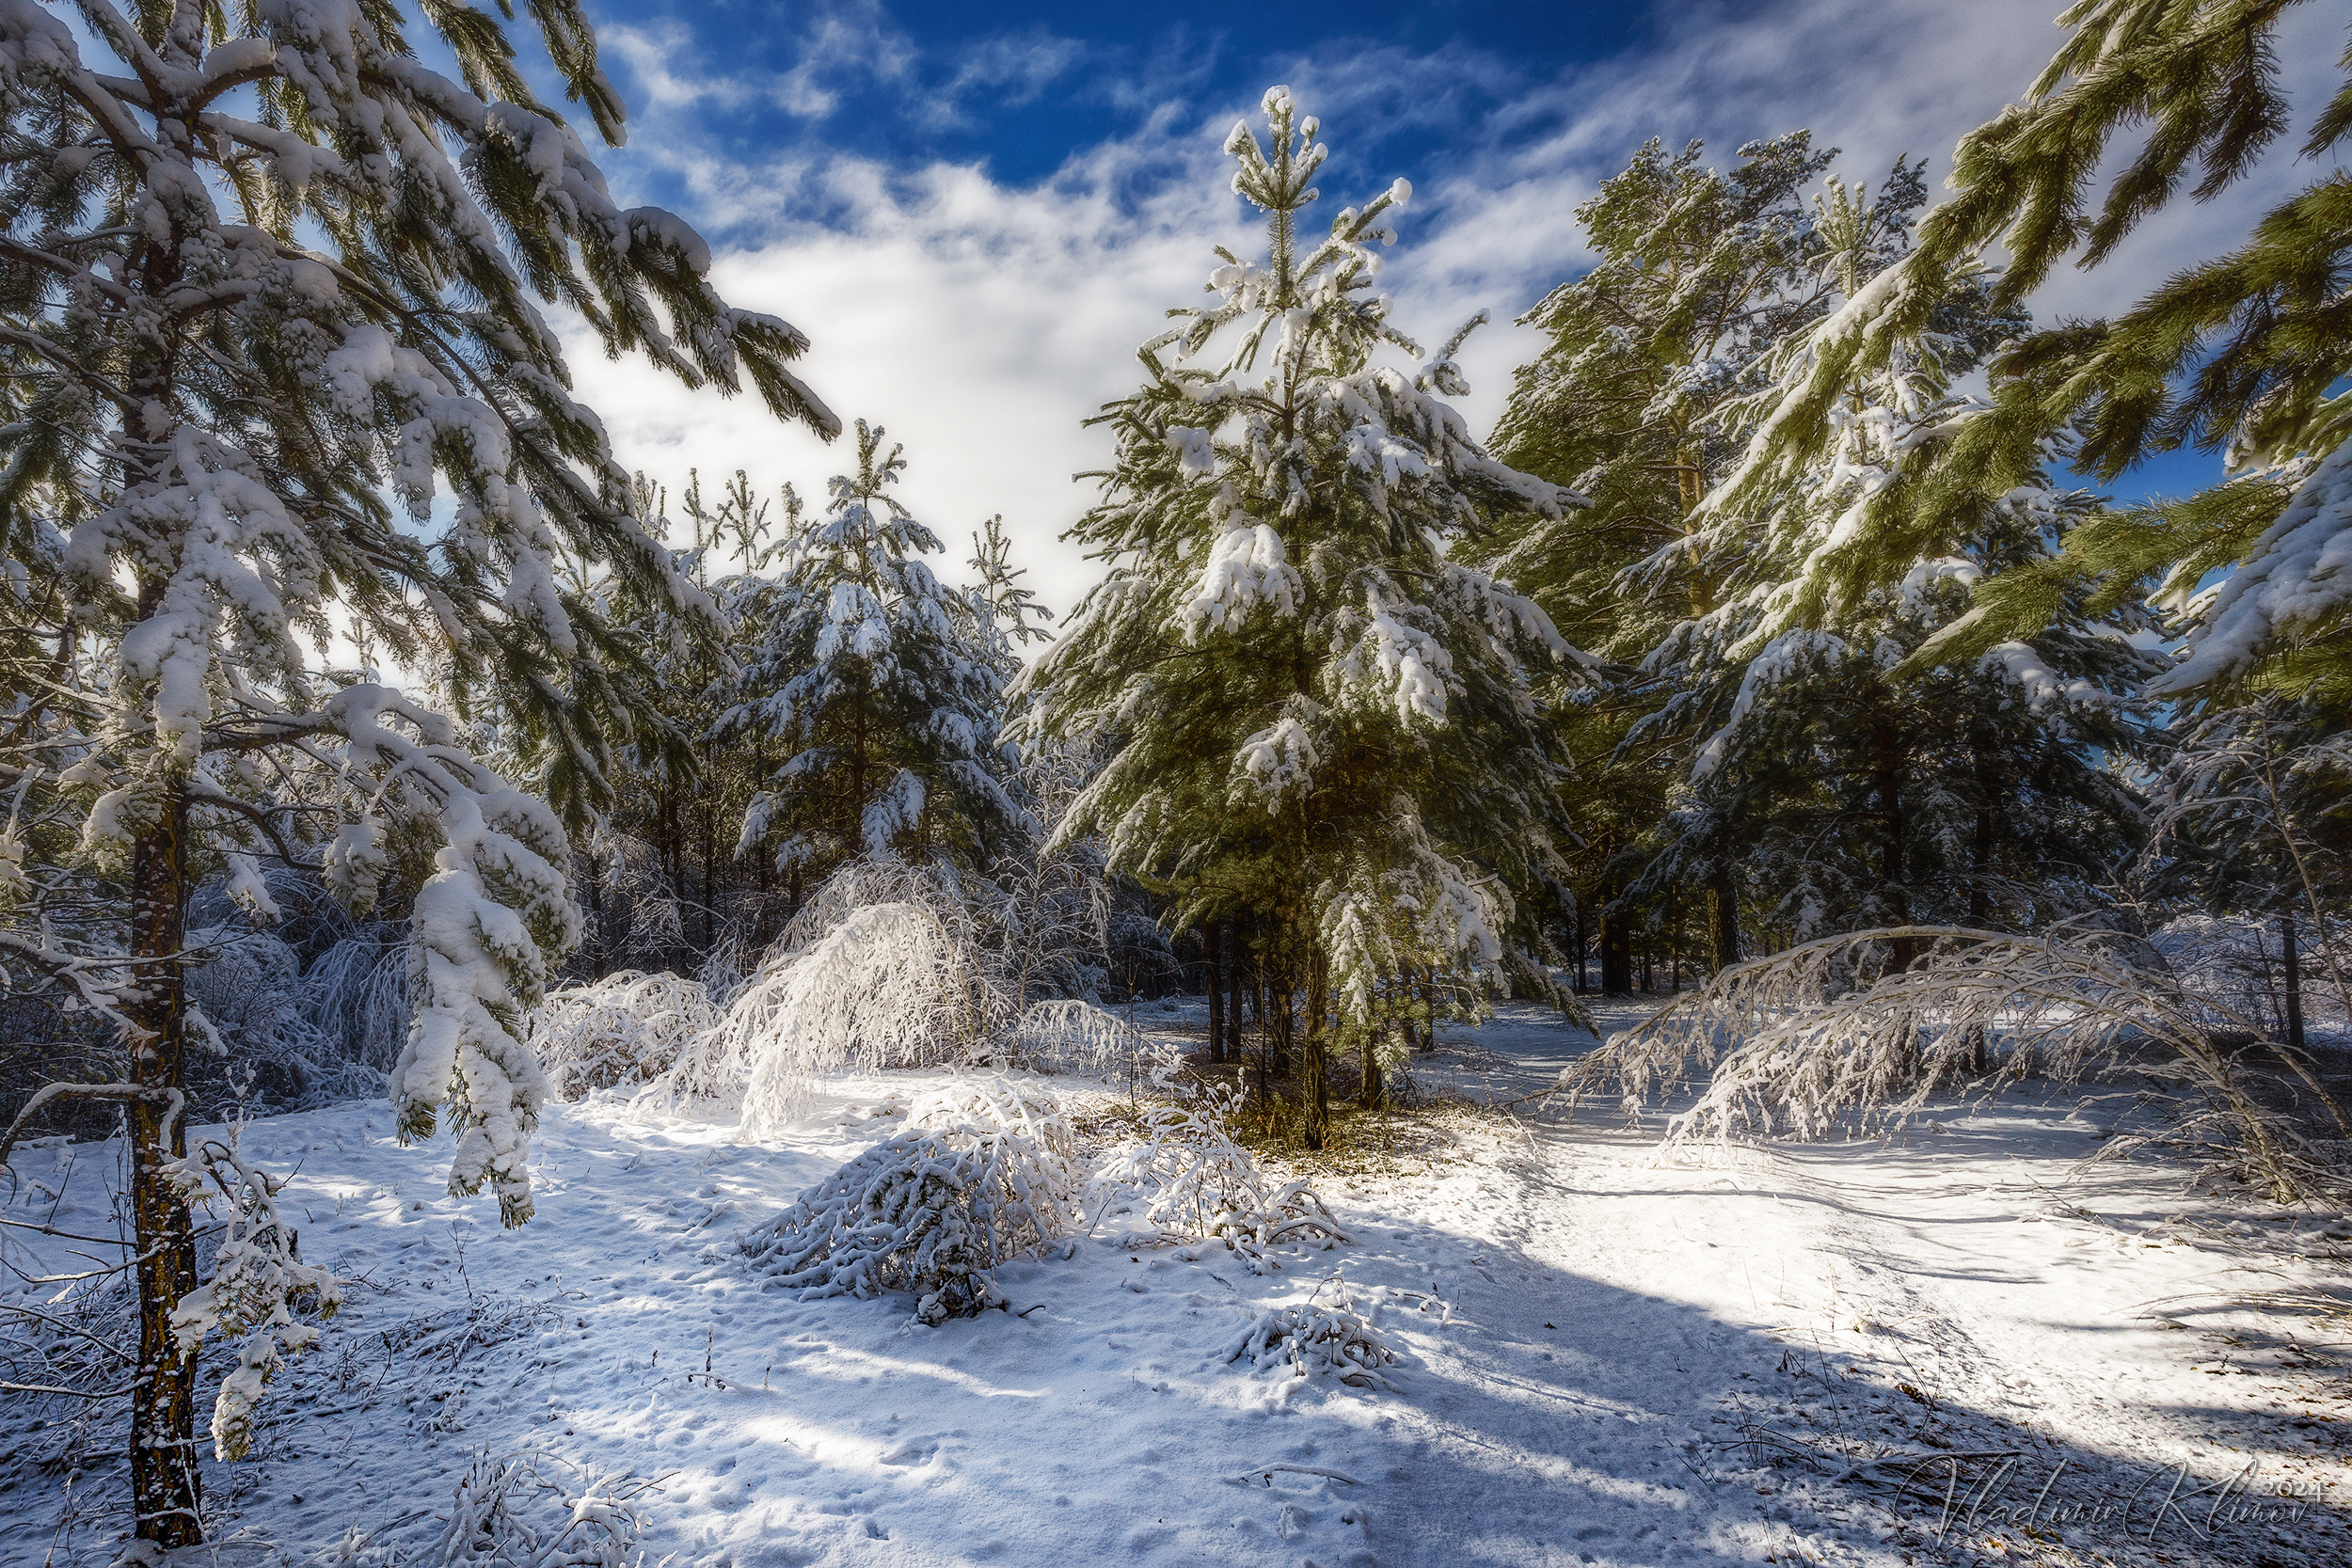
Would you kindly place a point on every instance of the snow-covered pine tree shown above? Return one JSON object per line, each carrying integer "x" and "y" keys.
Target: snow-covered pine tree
{"x": 1308, "y": 710}
{"x": 264, "y": 275}
{"x": 1879, "y": 767}
{"x": 2243, "y": 353}
{"x": 1702, "y": 273}
{"x": 879, "y": 688}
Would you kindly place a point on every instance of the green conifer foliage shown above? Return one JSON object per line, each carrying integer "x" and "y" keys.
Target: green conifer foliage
{"x": 2243, "y": 352}
{"x": 1309, "y": 711}
{"x": 880, "y": 688}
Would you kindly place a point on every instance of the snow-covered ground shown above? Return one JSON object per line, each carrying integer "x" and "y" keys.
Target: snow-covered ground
{"x": 1636, "y": 1362}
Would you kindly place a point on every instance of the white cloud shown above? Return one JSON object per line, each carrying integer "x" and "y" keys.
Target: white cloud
{"x": 982, "y": 321}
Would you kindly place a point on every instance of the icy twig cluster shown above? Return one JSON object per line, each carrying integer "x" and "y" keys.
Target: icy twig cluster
{"x": 625, "y": 1028}
{"x": 1312, "y": 1338}
{"x": 1194, "y": 1183}
{"x": 1827, "y": 1033}
{"x": 537, "y": 1510}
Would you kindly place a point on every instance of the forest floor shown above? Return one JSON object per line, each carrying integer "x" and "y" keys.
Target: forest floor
{"x": 1953, "y": 1346}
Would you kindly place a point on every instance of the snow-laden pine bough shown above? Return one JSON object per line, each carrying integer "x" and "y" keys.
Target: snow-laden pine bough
{"x": 1194, "y": 1183}
{"x": 982, "y": 1174}
{"x": 1828, "y": 1034}
{"x": 625, "y": 1028}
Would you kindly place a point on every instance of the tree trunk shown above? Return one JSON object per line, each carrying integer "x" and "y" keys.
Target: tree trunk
{"x": 1617, "y": 956}
{"x": 163, "y": 1481}
{"x": 1213, "y": 956}
{"x": 1722, "y": 917}
{"x": 1315, "y": 1125}
{"x": 1233, "y": 940}
{"x": 1371, "y": 1091}
{"x": 2294, "y": 966}
{"x": 1887, "y": 755}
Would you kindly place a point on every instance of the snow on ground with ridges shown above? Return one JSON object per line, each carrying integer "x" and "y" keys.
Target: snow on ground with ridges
{"x": 1623, "y": 1344}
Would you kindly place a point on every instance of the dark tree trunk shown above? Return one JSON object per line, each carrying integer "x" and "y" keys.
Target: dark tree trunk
{"x": 1315, "y": 1125}
{"x": 1616, "y": 955}
{"x": 1887, "y": 758}
{"x": 2294, "y": 966}
{"x": 1212, "y": 959}
{"x": 163, "y": 1481}
{"x": 1371, "y": 1091}
{"x": 1234, "y": 941}
{"x": 1722, "y": 916}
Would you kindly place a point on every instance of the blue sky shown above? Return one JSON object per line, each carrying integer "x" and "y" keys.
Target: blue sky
{"x": 977, "y": 213}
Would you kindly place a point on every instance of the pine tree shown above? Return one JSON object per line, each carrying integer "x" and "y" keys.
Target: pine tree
{"x": 230, "y": 342}
{"x": 1309, "y": 711}
{"x": 2243, "y": 352}
{"x": 1700, "y": 275}
{"x": 879, "y": 687}
{"x": 1882, "y": 765}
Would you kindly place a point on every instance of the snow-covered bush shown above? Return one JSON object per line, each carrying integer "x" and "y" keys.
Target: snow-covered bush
{"x": 982, "y": 1175}
{"x": 259, "y": 1281}
{"x": 1072, "y": 1036}
{"x": 1827, "y": 1035}
{"x": 624, "y": 1028}
{"x": 356, "y": 993}
{"x": 1313, "y": 1338}
{"x": 1194, "y": 1183}
{"x": 894, "y": 965}
{"x": 2241, "y": 963}
{"x": 538, "y": 1510}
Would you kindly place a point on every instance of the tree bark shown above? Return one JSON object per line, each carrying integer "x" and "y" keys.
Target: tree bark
{"x": 1723, "y": 915}
{"x": 1617, "y": 956}
{"x": 1316, "y": 1123}
{"x": 1887, "y": 760}
{"x": 164, "y": 1486}
{"x": 1213, "y": 956}
{"x": 2294, "y": 965}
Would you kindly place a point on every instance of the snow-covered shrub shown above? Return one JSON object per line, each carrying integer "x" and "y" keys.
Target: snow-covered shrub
{"x": 624, "y": 1028}
{"x": 2241, "y": 963}
{"x": 259, "y": 1281}
{"x": 1073, "y": 1036}
{"x": 1194, "y": 1183}
{"x": 356, "y": 993}
{"x": 257, "y": 1042}
{"x": 1313, "y": 1338}
{"x": 1822, "y": 1035}
{"x": 897, "y": 965}
{"x": 538, "y": 1510}
{"x": 996, "y": 1104}
{"x": 979, "y": 1177}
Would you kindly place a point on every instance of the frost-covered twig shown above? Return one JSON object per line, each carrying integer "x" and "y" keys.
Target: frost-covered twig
{"x": 538, "y": 1510}
{"x": 1312, "y": 1338}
